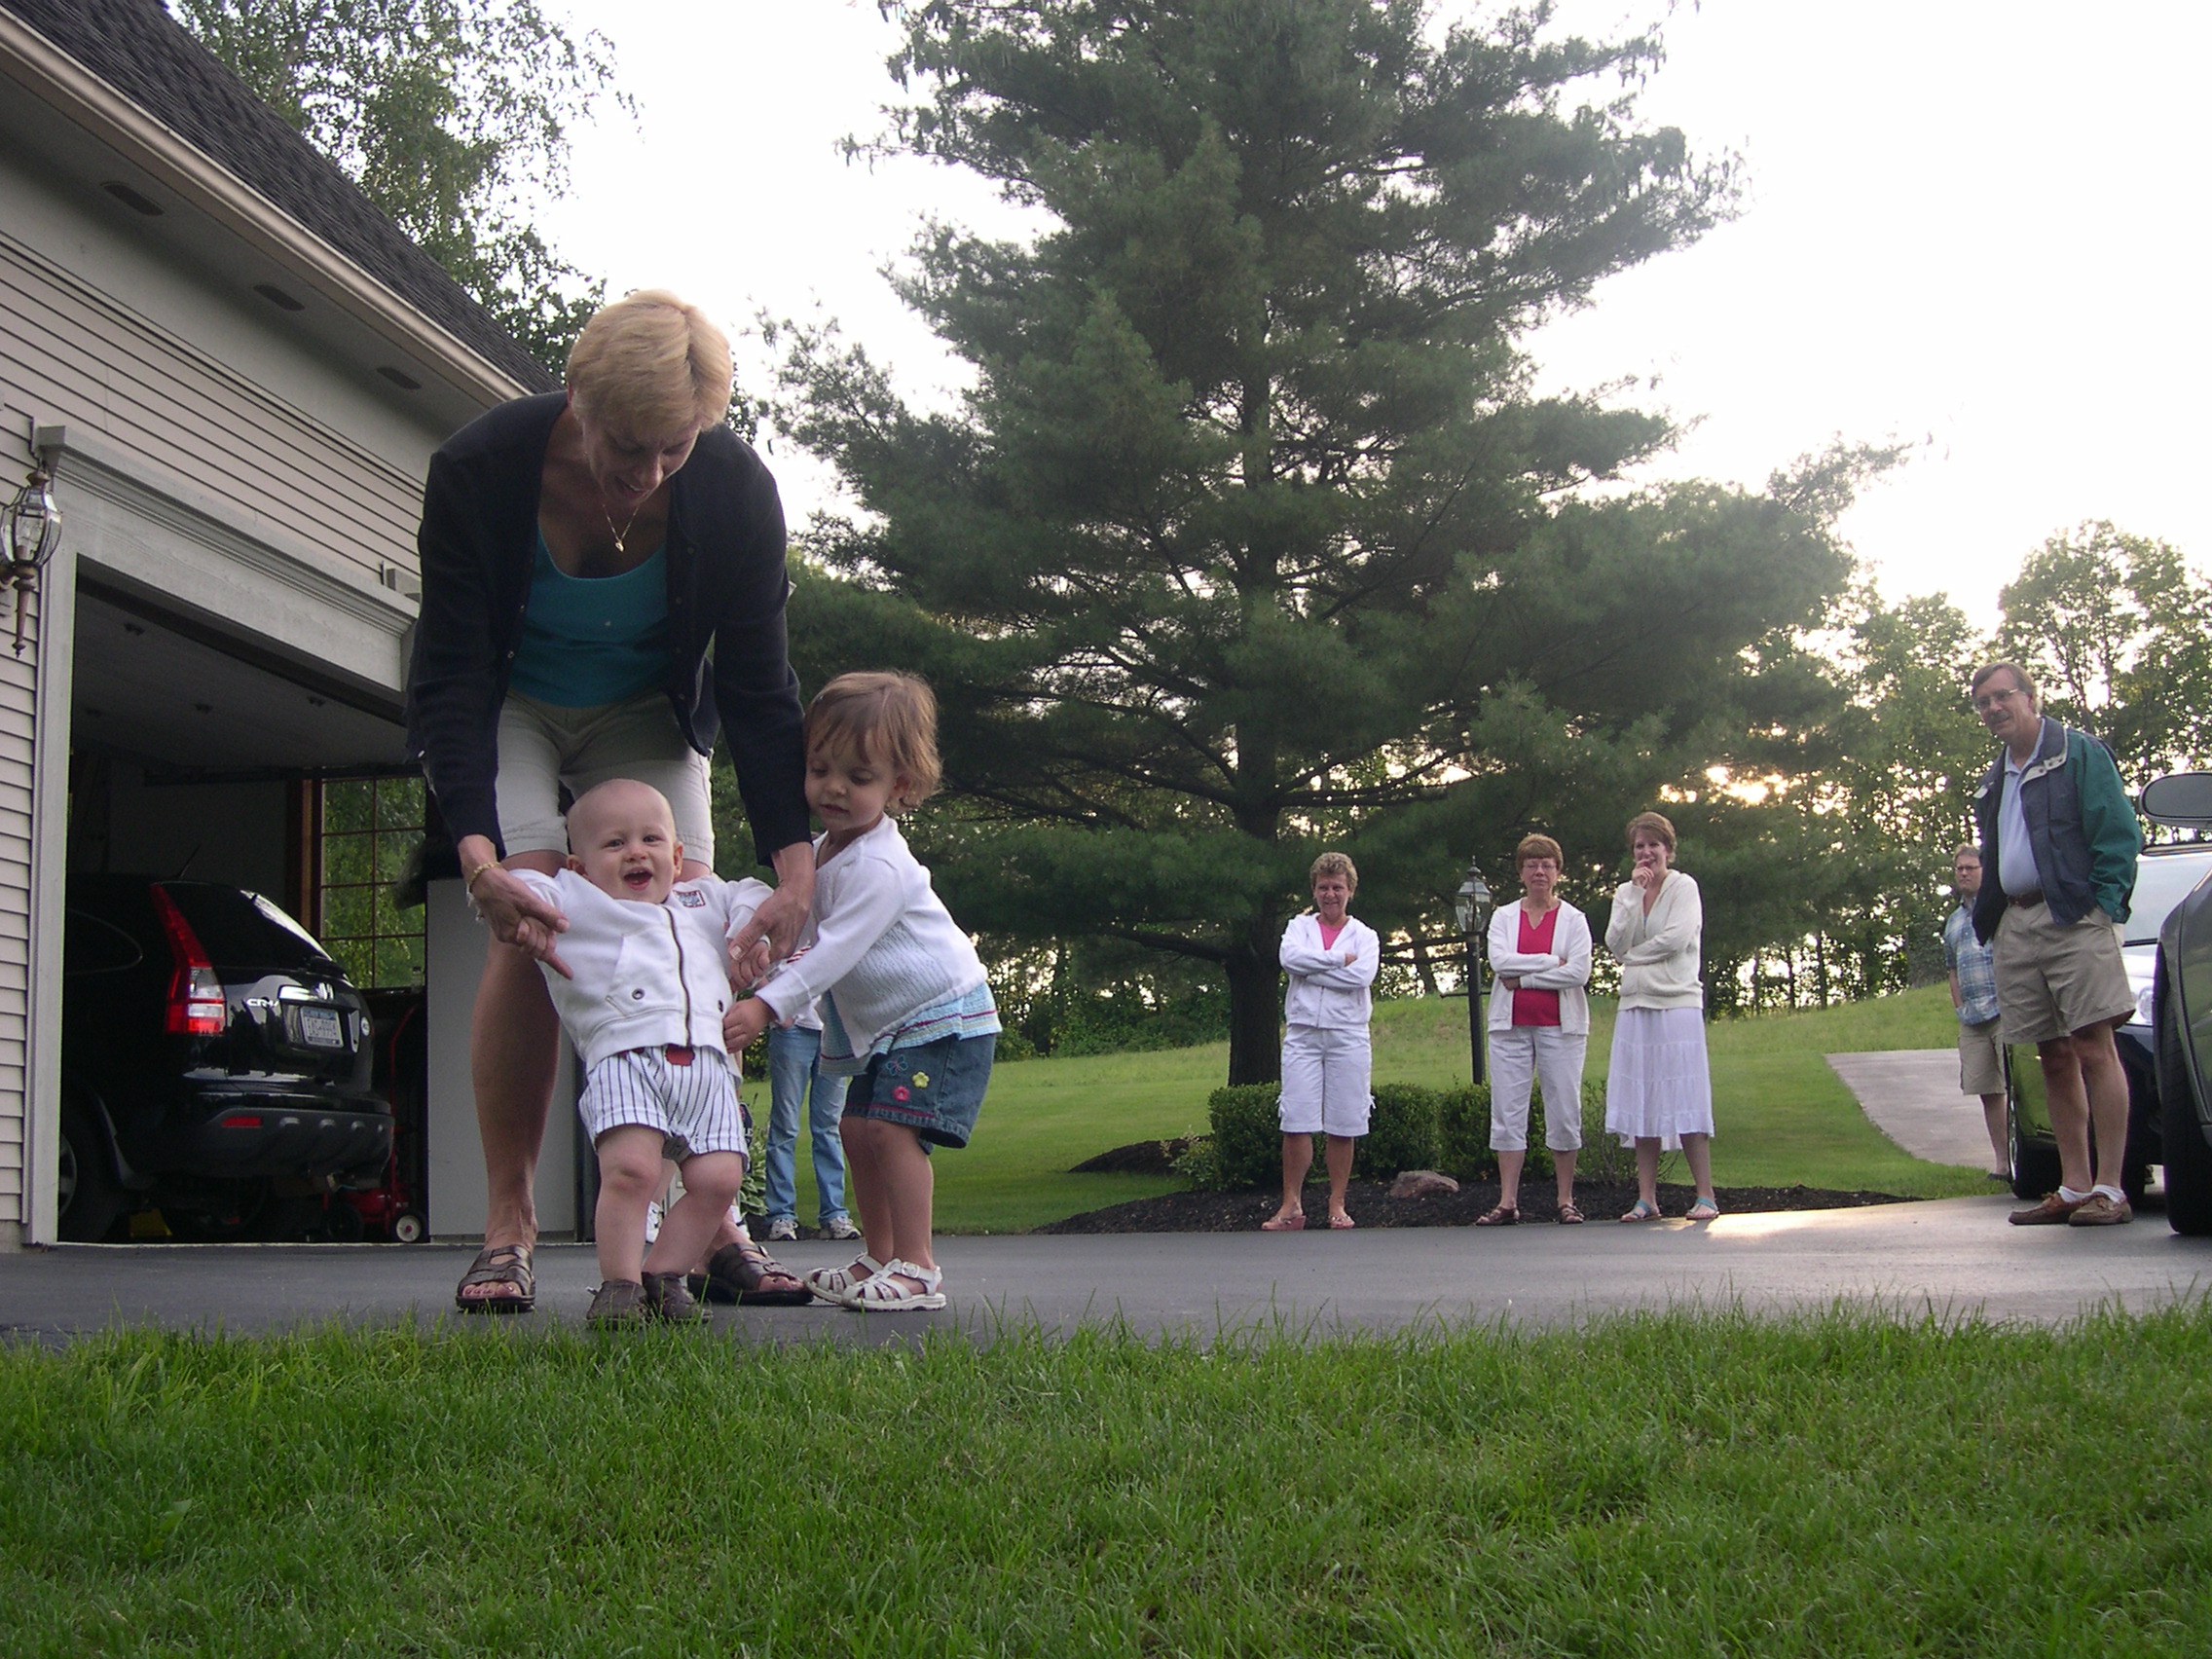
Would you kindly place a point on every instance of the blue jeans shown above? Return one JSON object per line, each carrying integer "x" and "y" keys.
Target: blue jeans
{"x": 795, "y": 1080}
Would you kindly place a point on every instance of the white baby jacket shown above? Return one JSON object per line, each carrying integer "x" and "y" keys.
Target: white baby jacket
{"x": 645, "y": 974}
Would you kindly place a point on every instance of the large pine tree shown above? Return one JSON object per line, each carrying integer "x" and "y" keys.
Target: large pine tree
{"x": 1251, "y": 537}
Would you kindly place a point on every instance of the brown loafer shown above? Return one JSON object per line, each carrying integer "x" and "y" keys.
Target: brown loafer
{"x": 2050, "y": 1210}
{"x": 2099, "y": 1209}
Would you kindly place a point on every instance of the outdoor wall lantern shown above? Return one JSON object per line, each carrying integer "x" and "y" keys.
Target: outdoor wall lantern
{"x": 33, "y": 528}
{"x": 1472, "y": 907}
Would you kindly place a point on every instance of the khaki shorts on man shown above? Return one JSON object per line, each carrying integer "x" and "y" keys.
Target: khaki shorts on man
{"x": 2052, "y": 980}
{"x": 1981, "y": 1063}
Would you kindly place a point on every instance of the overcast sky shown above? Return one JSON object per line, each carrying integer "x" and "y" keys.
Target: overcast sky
{"x": 1970, "y": 226}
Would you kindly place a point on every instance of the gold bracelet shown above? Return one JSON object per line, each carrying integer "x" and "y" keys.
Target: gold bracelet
{"x": 469, "y": 884}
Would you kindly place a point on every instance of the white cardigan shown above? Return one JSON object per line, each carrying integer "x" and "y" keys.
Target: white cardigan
{"x": 1324, "y": 988}
{"x": 1659, "y": 953}
{"x": 646, "y": 974}
{"x": 1570, "y": 938}
{"x": 881, "y": 944}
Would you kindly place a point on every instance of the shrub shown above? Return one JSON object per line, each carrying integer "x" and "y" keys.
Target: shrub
{"x": 1247, "y": 1135}
{"x": 1604, "y": 1158}
{"x": 1401, "y": 1134}
{"x": 1462, "y": 1133}
{"x": 1200, "y": 1165}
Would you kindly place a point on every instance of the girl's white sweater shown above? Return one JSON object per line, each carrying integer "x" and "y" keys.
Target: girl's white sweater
{"x": 880, "y": 943}
{"x": 1659, "y": 953}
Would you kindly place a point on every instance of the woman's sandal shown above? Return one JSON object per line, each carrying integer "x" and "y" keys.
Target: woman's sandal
{"x": 1704, "y": 1209}
{"x": 1641, "y": 1211}
{"x": 744, "y": 1272}
{"x": 1284, "y": 1224}
{"x": 884, "y": 1294}
{"x": 1342, "y": 1221}
{"x": 835, "y": 1285}
{"x": 1499, "y": 1215}
{"x": 499, "y": 1264}
{"x": 1569, "y": 1215}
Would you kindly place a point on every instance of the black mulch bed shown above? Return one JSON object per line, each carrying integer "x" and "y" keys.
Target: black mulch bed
{"x": 1369, "y": 1204}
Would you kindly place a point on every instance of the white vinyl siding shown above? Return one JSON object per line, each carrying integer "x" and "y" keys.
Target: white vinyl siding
{"x": 72, "y": 356}
{"x": 16, "y": 705}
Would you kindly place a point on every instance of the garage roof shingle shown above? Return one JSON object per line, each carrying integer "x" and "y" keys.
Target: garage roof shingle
{"x": 144, "y": 53}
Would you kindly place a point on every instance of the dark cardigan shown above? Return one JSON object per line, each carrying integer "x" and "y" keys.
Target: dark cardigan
{"x": 726, "y": 587}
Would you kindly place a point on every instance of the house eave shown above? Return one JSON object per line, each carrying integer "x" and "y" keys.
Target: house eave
{"x": 76, "y": 95}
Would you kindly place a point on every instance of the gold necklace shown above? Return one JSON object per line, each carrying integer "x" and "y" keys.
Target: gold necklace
{"x": 620, "y": 548}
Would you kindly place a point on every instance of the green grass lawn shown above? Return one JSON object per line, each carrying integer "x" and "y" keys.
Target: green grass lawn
{"x": 1660, "y": 1485}
{"x": 1783, "y": 1117}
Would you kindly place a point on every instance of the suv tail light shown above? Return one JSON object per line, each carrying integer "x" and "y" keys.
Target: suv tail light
{"x": 196, "y": 1006}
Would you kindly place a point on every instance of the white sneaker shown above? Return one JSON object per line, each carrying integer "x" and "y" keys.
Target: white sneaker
{"x": 839, "y": 1227}
{"x": 783, "y": 1229}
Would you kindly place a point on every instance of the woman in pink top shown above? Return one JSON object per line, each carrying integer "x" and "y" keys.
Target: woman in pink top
{"x": 1539, "y": 1025}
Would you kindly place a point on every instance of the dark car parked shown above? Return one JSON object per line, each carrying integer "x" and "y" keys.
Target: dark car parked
{"x": 2164, "y": 875}
{"x": 2182, "y": 1002}
{"x": 212, "y": 1053}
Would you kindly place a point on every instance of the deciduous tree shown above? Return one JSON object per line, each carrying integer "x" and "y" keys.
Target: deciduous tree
{"x": 453, "y": 116}
{"x": 2118, "y": 631}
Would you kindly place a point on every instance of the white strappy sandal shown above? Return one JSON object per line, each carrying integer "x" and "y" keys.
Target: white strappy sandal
{"x": 885, "y": 1294}
{"x": 836, "y": 1284}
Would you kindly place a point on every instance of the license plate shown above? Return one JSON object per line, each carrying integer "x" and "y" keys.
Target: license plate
{"x": 321, "y": 1029}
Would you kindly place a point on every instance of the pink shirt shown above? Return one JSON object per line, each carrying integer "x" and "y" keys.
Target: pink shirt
{"x": 1536, "y": 1008}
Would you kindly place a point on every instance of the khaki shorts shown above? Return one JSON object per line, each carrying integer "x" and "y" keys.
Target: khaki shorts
{"x": 544, "y": 747}
{"x": 2052, "y": 981}
{"x": 1981, "y": 1067}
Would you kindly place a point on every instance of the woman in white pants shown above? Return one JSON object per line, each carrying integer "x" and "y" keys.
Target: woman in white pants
{"x": 1539, "y": 1024}
{"x": 1659, "y": 1089}
{"x": 1331, "y": 961}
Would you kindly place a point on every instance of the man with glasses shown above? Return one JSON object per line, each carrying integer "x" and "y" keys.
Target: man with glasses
{"x": 2058, "y": 845}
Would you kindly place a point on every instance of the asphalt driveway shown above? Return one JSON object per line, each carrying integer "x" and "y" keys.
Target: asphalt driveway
{"x": 1954, "y": 1258}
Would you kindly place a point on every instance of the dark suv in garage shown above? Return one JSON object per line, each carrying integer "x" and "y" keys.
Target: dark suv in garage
{"x": 210, "y": 1049}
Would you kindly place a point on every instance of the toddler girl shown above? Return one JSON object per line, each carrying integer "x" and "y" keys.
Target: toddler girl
{"x": 907, "y": 1011}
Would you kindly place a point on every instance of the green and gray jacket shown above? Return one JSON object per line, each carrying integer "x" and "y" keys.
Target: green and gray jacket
{"x": 2080, "y": 824}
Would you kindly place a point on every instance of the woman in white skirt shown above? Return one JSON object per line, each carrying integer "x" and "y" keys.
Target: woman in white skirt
{"x": 1659, "y": 1090}
{"x": 1331, "y": 961}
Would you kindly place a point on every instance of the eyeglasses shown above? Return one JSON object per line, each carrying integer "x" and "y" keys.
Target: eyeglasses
{"x": 1989, "y": 700}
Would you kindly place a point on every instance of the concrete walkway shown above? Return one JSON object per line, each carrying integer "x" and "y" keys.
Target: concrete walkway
{"x": 1912, "y": 1095}
{"x": 1954, "y": 1259}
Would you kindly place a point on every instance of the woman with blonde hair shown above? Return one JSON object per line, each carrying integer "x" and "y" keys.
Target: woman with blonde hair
{"x": 602, "y": 595}
{"x": 1659, "y": 1089}
{"x": 1330, "y": 959}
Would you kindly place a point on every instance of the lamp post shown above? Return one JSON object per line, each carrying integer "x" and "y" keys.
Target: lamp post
{"x": 30, "y": 529}
{"x": 1472, "y": 907}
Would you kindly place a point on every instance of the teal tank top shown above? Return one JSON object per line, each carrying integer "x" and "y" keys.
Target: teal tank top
{"x": 588, "y": 641}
